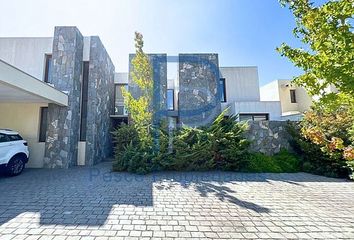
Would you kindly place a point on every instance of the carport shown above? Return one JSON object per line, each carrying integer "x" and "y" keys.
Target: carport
{"x": 23, "y": 103}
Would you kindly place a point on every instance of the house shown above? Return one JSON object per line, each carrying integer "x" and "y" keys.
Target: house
{"x": 63, "y": 95}
{"x": 58, "y": 93}
{"x": 294, "y": 100}
{"x": 200, "y": 90}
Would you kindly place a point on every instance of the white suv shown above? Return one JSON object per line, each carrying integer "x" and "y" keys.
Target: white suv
{"x": 13, "y": 152}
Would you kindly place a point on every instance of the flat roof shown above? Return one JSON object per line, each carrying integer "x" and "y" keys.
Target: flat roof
{"x": 18, "y": 86}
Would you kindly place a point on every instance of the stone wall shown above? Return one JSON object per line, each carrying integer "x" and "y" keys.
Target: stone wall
{"x": 268, "y": 137}
{"x": 199, "y": 93}
{"x": 100, "y": 103}
{"x": 64, "y": 122}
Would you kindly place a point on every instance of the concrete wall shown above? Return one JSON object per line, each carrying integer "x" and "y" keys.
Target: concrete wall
{"x": 121, "y": 78}
{"x": 271, "y": 107}
{"x": 100, "y": 103}
{"x": 199, "y": 91}
{"x": 64, "y": 122}
{"x": 270, "y": 91}
{"x": 242, "y": 83}
{"x": 27, "y": 54}
{"x": 25, "y": 119}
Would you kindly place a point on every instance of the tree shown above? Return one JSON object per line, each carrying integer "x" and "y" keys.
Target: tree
{"x": 142, "y": 76}
{"x": 328, "y": 36}
{"x": 327, "y": 33}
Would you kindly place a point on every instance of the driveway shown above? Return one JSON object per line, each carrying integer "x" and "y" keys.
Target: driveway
{"x": 93, "y": 203}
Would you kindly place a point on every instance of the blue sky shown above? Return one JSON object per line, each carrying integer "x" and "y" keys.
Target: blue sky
{"x": 243, "y": 32}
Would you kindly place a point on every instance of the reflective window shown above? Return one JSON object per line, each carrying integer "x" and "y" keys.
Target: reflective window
{"x": 253, "y": 116}
{"x": 48, "y": 69}
{"x": 84, "y": 100}
{"x": 223, "y": 90}
{"x": 170, "y": 99}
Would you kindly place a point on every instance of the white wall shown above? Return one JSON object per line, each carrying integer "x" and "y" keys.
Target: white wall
{"x": 273, "y": 108}
{"x": 25, "y": 118}
{"x": 270, "y": 91}
{"x": 121, "y": 78}
{"x": 27, "y": 54}
{"x": 242, "y": 83}
{"x": 279, "y": 90}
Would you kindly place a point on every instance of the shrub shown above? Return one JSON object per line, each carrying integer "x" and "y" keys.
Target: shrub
{"x": 280, "y": 162}
{"x": 315, "y": 156}
{"x": 218, "y": 146}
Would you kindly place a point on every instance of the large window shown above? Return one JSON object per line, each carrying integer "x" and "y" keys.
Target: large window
{"x": 223, "y": 90}
{"x": 48, "y": 68}
{"x": 84, "y": 99}
{"x": 43, "y": 124}
{"x": 119, "y": 100}
{"x": 170, "y": 100}
{"x": 293, "y": 96}
{"x": 253, "y": 116}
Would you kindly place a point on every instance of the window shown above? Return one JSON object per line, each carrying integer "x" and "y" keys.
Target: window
{"x": 48, "y": 69}
{"x": 223, "y": 90}
{"x": 3, "y": 138}
{"x": 15, "y": 137}
{"x": 292, "y": 96}
{"x": 43, "y": 124}
{"x": 119, "y": 99}
{"x": 170, "y": 100}
{"x": 253, "y": 116}
{"x": 84, "y": 99}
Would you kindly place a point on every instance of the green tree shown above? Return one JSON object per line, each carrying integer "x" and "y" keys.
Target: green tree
{"x": 327, "y": 33}
{"x": 327, "y": 59}
{"x": 139, "y": 107}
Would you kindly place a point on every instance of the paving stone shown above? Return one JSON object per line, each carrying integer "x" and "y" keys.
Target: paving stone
{"x": 78, "y": 203}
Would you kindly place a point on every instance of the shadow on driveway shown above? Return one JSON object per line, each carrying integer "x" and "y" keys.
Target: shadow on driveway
{"x": 85, "y": 196}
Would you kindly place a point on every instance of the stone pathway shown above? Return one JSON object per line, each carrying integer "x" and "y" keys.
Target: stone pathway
{"x": 93, "y": 203}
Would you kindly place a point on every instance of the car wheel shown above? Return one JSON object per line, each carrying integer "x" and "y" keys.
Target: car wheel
{"x": 15, "y": 166}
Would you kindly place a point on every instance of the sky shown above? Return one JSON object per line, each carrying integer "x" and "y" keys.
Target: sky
{"x": 242, "y": 32}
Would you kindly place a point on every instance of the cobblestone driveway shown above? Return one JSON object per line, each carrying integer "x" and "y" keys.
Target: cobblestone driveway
{"x": 92, "y": 203}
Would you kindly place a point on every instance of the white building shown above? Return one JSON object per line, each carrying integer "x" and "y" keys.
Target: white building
{"x": 294, "y": 100}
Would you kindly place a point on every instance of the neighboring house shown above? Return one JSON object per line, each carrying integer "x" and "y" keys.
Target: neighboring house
{"x": 58, "y": 93}
{"x": 294, "y": 100}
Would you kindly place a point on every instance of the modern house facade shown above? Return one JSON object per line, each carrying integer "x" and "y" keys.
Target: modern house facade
{"x": 63, "y": 95}
{"x": 200, "y": 91}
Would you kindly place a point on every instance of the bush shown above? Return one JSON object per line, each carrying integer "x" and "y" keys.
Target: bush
{"x": 218, "y": 146}
{"x": 314, "y": 157}
{"x": 280, "y": 162}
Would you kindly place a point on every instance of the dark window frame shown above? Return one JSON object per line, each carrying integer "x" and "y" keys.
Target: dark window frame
{"x": 223, "y": 89}
{"x": 173, "y": 99}
{"x": 255, "y": 114}
{"x": 293, "y": 96}
{"x": 48, "y": 57}
{"x": 84, "y": 100}
{"x": 43, "y": 124}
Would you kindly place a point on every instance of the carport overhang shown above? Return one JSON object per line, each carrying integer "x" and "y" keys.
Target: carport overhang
{"x": 18, "y": 86}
